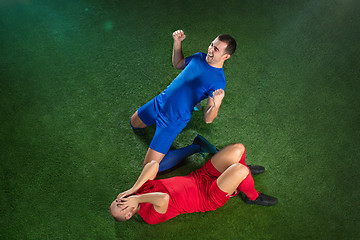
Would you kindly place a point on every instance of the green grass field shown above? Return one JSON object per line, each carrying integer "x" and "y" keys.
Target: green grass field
{"x": 73, "y": 72}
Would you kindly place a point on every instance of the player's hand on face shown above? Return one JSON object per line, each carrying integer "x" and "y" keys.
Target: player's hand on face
{"x": 119, "y": 203}
{"x": 218, "y": 96}
{"x": 179, "y": 35}
{"x": 125, "y": 194}
{"x": 129, "y": 202}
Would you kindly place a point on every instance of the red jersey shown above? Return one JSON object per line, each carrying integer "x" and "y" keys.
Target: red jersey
{"x": 196, "y": 192}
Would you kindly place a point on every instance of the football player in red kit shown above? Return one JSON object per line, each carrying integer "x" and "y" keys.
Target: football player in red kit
{"x": 205, "y": 189}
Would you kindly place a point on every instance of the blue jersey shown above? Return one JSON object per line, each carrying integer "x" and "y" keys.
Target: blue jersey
{"x": 196, "y": 82}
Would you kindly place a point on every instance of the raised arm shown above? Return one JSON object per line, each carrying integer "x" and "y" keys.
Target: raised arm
{"x": 213, "y": 105}
{"x": 158, "y": 199}
{"x": 178, "y": 59}
{"x": 148, "y": 173}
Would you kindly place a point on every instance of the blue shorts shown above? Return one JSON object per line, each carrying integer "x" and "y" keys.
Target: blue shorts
{"x": 166, "y": 129}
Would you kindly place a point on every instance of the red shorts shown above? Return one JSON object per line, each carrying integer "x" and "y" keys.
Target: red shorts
{"x": 207, "y": 177}
{"x": 196, "y": 192}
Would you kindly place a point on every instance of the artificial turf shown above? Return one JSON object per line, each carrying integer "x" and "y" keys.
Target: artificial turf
{"x": 73, "y": 72}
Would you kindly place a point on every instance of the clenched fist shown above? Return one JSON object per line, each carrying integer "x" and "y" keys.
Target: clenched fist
{"x": 179, "y": 35}
{"x": 218, "y": 96}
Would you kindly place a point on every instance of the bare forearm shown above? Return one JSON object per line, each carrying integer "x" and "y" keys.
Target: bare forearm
{"x": 158, "y": 199}
{"x": 213, "y": 105}
{"x": 149, "y": 172}
{"x": 211, "y": 113}
{"x": 154, "y": 198}
{"x": 178, "y": 58}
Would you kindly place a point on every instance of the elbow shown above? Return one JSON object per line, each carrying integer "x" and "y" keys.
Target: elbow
{"x": 175, "y": 64}
{"x": 208, "y": 121}
{"x": 165, "y": 199}
{"x": 163, "y": 203}
{"x": 178, "y": 66}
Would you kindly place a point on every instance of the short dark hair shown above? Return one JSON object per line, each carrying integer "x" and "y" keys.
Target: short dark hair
{"x": 231, "y": 43}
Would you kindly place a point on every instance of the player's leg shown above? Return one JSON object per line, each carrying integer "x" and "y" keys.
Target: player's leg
{"x": 232, "y": 177}
{"x": 153, "y": 155}
{"x": 136, "y": 122}
{"x": 174, "y": 157}
{"x": 162, "y": 140}
{"x": 235, "y": 153}
{"x": 227, "y": 156}
{"x": 145, "y": 116}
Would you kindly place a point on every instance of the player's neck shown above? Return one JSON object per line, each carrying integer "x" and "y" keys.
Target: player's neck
{"x": 217, "y": 65}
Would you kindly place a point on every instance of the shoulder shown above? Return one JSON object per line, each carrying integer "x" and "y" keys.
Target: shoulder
{"x": 201, "y": 55}
{"x": 150, "y": 215}
{"x": 198, "y": 55}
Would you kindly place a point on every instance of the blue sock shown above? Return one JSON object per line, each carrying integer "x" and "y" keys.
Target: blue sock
{"x": 174, "y": 157}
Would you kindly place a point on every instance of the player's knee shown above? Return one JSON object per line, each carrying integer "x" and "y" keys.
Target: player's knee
{"x": 154, "y": 163}
{"x": 239, "y": 149}
{"x": 242, "y": 170}
{"x": 135, "y": 121}
{"x": 132, "y": 124}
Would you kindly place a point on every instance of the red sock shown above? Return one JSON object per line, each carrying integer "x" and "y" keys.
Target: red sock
{"x": 247, "y": 185}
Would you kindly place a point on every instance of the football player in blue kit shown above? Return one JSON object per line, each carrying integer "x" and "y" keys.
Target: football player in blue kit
{"x": 202, "y": 76}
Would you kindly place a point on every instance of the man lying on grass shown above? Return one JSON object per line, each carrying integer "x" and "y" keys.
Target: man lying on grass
{"x": 205, "y": 189}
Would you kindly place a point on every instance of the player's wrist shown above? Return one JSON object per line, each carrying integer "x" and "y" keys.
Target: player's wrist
{"x": 177, "y": 43}
{"x": 136, "y": 197}
{"x": 141, "y": 198}
{"x": 133, "y": 189}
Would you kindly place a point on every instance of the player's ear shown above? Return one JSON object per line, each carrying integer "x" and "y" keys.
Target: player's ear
{"x": 226, "y": 56}
{"x": 128, "y": 216}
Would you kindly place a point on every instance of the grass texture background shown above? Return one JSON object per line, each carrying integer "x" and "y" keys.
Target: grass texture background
{"x": 73, "y": 72}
